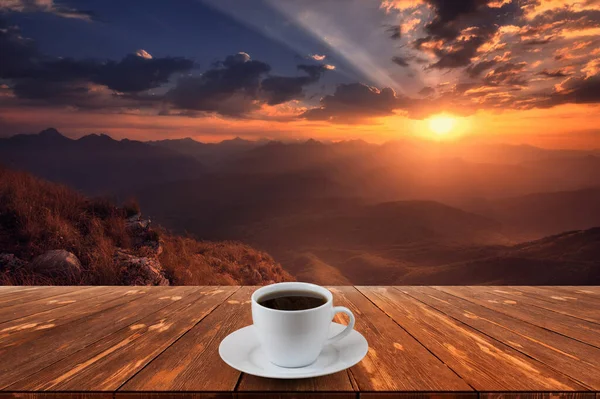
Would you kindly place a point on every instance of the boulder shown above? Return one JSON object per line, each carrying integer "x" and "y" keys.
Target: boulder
{"x": 58, "y": 263}
{"x": 136, "y": 270}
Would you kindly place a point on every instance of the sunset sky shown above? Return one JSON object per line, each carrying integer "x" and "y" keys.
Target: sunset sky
{"x": 523, "y": 71}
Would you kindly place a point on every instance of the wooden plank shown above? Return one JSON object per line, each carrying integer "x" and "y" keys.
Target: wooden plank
{"x": 235, "y": 395}
{"x": 572, "y": 327}
{"x": 186, "y": 365}
{"x": 23, "y": 359}
{"x": 174, "y": 395}
{"x": 477, "y": 358}
{"x": 61, "y": 395}
{"x": 395, "y": 361}
{"x": 418, "y": 395}
{"x": 193, "y": 363}
{"x": 537, "y": 395}
{"x": 21, "y": 310}
{"x": 564, "y": 304}
{"x": 29, "y": 295}
{"x": 35, "y": 326}
{"x": 579, "y": 361}
{"x": 583, "y": 293}
{"x": 108, "y": 363}
{"x": 8, "y": 289}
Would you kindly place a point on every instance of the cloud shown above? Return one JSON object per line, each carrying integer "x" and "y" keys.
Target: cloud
{"x": 559, "y": 73}
{"x": 508, "y": 73}
{"x": 240, "y": 85}
{"x": 537, "y": 42}
{"x": 317, "y": 57}
{"x": 427, "y": 91}
{"x": 136, "y": 73}
{"x": 280, "y": 89}
{"x": 33, "y": 75}
{"x": 576, "y": 90}
{"x": 47, "y": 6}
{"x": 395, "y": 32}
{"x": 474, "y": 70}
{"x": 355, "y": 101}
{"x": 18, "y": 53}
{"x": 401, "y": 61}
{"x": 460, "y": 28}
{"x": 144, "y": 54}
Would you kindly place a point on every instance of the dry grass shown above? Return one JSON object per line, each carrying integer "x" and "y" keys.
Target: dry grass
{"x": 191, "y": 262}
{"x": 37, "y": 216}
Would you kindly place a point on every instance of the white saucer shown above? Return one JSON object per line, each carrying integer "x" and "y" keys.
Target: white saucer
{"x": 241, "y": 351}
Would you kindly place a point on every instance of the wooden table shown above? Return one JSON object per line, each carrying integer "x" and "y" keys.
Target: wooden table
{"x": 162, "y": 342}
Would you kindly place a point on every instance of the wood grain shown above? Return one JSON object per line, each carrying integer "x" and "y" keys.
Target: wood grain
{"x": 538, "y": 395}
{"x": 418, "y": 395}
{"x": 425, "y": 342}
{"x": 174, "y": 395}
{"x": 193, "y": 362}
{"x": 29, "y": 295}
{"x": 578, "y": 360}
{"x": 472, "y": 355}
{"x": 109, "y": 362}
{"x": 586, "y": 309}
{"x": 19, "y": 310}
{"x": 55, "y": 395}
{"x": 395, "y": 361}
{"x": 21, "y": 359}
{"x": 563, "y": 324}
{"x": 77, "y": 305}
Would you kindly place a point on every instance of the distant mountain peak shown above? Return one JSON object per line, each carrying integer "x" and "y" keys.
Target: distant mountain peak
{"x": 97, "y": 137}
{"x": 313, "y": 142}
{"x": 51, "y": 133}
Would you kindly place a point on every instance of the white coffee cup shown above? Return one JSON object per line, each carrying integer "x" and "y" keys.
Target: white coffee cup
{"x": 295, "y": 338}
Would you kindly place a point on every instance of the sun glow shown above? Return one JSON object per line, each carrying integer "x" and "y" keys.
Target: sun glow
{"x": 441, "y": 124}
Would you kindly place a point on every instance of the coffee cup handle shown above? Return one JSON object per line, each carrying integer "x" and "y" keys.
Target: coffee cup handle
{"x": 349, "y": 327}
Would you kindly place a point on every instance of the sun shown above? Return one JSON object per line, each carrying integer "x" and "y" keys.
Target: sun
{"x": 441, "y": 124}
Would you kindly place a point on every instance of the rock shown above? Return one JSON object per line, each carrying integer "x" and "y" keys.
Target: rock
{"x": 10, "y": 262}
{"x": 135, "y": 270}
{"x": 137, "y": 226}
{"x": 134, "y": 218}
{"x": 58, "y": 263}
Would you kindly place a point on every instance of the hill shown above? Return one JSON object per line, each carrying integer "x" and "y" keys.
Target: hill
{"x": 541, "y": 214}
{"x": 50, "y": 234}
{"x": 96, "y": 164}
{"x": 570, "y": 258}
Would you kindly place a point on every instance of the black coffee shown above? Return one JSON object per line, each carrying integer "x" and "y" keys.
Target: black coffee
{"x": 292, "y": 300}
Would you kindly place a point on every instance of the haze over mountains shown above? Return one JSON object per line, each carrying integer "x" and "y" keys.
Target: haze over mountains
{"x": 405, "y": 212}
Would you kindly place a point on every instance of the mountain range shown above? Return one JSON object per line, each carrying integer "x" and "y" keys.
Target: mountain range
{"x": 408, "y": 212}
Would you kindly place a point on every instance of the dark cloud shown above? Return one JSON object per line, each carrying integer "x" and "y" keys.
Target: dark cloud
{"x": 447, "y": 21}
{"x": 280, "y": 89}
{"x": 474, "y": 70}
{"x": 460, "y": 54}
{"x": 398, "y": 60}
{"x": 36, "y": 76}
{"x": 135, "y": 73}
{"x": 354, "y": 101}
{"x": 240, "y": 85}
{"x": 577, "y": 90}
{"x": 459, "y": 28}
{"x": 395, "y": 32}
{"x": 427, "y": 91}
{"x": 559, "y": 73}
{"x": 47, "y": 6}
{"x": 18, "y": 54}
{"x": 538, "y": 42}
{"x": 508, "y": 73}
